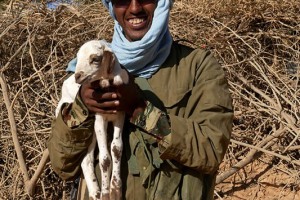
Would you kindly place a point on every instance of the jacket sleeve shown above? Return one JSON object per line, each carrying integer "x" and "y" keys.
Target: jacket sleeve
{"x": 69, "y": 141}
{"x": 199, "y": 138}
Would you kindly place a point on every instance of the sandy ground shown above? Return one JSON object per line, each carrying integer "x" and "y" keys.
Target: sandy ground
{"x": 259, "y": 181}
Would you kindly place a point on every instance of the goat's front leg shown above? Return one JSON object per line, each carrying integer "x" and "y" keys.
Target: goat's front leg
{"x": 116, "y": 153}
{"x": 88, "y": 170}
{"x": 104, "y": 156}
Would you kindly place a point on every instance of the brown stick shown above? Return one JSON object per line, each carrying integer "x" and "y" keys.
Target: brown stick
{"x": 13, "y": 128}
{"x": 251, "y": 156}
{"x": 288, "y": 159}
{"x": 29, "y": 183}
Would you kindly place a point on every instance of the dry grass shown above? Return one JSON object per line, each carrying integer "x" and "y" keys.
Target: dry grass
{"x": 257, "y": 42}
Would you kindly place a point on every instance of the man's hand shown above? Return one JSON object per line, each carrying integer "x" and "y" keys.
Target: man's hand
{"x": 99, "y": 100}
{"x": 125, "y": 97}
{"x": 130, "y": 97}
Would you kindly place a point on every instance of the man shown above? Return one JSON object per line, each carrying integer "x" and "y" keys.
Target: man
{"x": 179, "y": 112}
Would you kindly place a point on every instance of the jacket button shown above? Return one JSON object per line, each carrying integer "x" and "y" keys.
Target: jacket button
{"x": 142, "y": 123}
{"x": 144, "y": 168}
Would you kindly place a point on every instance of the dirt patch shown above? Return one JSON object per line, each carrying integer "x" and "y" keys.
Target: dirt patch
{"x": 260, "y": 180}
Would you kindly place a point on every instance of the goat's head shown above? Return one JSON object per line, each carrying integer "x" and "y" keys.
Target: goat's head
{"x": 95, "y": 62}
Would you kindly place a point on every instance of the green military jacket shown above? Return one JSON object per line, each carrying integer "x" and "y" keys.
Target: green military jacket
{"x": 189, "y": 108}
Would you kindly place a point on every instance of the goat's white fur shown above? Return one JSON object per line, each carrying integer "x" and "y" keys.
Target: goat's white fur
{"x": 111, "y": 179}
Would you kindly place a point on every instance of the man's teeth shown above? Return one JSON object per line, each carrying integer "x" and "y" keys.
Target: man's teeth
{"x": 136, "y": 21}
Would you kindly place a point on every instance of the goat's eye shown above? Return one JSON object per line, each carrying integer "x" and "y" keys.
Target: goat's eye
{"x": 97, "y": 59}
{"x": 94, "y": 59}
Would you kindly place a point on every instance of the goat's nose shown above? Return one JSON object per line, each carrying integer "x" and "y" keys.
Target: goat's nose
{"x": 111, "y": 81}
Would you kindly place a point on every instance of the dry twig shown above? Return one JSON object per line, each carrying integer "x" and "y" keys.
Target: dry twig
{"x": 257, "y": 42}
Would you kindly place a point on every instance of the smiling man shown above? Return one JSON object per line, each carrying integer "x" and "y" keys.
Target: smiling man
{"x": 178, "y": 111}
{"x": 135, "y": 17}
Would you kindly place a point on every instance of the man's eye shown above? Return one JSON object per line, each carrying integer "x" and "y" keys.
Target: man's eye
{"x": 121, "y": 2}
{"x": 127, "y": 2}
{"x": 147, "y": 1}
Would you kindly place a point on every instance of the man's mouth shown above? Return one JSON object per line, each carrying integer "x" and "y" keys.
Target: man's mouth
{"x": 136, "y": 21}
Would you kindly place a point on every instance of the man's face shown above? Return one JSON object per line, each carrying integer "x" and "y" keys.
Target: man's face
{"x": 134, "y": 16}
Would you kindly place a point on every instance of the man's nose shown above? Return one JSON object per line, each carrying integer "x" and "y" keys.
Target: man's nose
{"x": 135, "y": 6}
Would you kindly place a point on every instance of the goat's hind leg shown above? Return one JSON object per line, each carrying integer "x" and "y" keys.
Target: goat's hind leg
{"x": 104, "y": 156}
{"x": 116, "y": 152}
{"x": 88, "y": 170}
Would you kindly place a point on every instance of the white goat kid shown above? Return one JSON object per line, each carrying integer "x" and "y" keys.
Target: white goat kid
{"x": 96, "y": 62}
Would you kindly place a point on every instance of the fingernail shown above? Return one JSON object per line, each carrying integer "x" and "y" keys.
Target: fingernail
{"x": 114, "y": 95}
{"x": 117, "y": 103}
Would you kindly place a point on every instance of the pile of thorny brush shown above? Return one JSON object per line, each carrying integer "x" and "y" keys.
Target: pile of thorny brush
{"x": 257, "y": 43}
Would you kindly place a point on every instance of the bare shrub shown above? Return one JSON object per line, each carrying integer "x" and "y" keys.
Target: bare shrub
{"x": 257, "y": 43}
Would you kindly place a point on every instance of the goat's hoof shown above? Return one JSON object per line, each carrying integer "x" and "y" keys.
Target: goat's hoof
{"x": 115, "y": 194}
{"x": 96, "y": 196}
{"x": 105, "y": 196}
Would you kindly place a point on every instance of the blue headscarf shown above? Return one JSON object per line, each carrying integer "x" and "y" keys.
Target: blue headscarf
{"x": 143, "y": 57}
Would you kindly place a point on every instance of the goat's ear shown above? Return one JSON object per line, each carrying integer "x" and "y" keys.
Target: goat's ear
{"x": 108, "y": 61}
{"x": 80, "y": 77}
{"x": 113, "y": 61}
{"x": 95, "y": 59}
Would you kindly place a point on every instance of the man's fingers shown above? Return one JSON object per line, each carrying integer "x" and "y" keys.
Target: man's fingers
{"x": 98, "y": 95}
{"x": 96, "y": 109}
{"x": 96, "y": 106}
{"x": 99, "y": 100}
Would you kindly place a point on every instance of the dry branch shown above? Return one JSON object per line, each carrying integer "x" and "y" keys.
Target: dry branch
{"x": 29, "y": 183}
{"x": 257, "y": 42}
{"x": 11, "y": 117}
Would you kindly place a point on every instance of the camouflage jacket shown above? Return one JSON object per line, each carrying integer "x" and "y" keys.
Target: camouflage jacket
{"x": 189, "y": 108}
